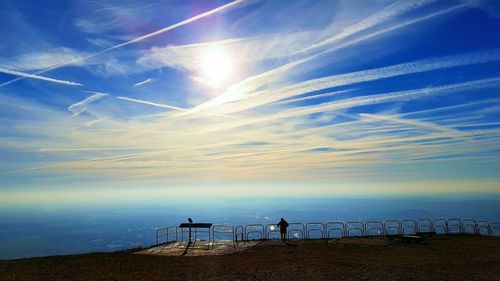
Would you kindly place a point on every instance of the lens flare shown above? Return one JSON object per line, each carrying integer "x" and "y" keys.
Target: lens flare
{"x": 217, "y": 66}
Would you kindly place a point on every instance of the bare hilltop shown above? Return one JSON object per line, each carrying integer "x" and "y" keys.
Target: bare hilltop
{"x": 457, "y": 257}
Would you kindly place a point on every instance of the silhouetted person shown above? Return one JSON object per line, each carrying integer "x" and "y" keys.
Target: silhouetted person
{"x": 283, "y": 224}
{"x": 190, "y": 222}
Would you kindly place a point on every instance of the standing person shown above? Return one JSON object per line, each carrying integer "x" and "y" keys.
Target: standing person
{"x": 283, "y": 224}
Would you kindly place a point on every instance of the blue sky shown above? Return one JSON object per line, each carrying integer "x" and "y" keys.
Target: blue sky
{"x": 308, "y": 98}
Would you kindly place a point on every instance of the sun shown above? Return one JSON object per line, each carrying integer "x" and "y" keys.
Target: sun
{"x": 217, "y": 66}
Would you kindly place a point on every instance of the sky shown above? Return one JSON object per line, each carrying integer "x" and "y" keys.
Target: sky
{"x": 140, "y": 100}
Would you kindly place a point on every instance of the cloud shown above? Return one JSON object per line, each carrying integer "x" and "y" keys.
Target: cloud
{"x": 45, "y": 59}
{"x": 162, "y": 105}
{"x": 223, "y": 8}
{"x": 152, "y": 103}
{"x": 55, "y": 57}
{"x": 81, "y": 106}
{"x": 111, "y": 67}
{"x": 101, "y": 42}
{"x": 242, "y": 51}
{"x": 92, "y": 26}
{"x": 144, "y": 82}
{"x": 274, "y": 95}
{"x": 245, "y": 88}
{"x": 38, "y": 77}
{"x": 314, "y": 96}
{"x": 295, "y": 115}
{"x": 452, "y": 133}
{"x": 381, "y": 16}
{"x": 373, "y": 99}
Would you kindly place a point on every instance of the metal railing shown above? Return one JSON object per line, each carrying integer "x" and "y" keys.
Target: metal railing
{"x": 438, "y": 224}
{"x": 376, "y": 226}
{"x": 259, "y": 229}
{"x": 481, "y": 225}
{"x": 344, "y": 229}
{"x": 424, "y": 225}
{"x": 239, "y": 227}
{"x": 315, "y": 227}
{"x": 354, "y": 226}
{"x": 452, "y": 224}
{"x": 409, "y": 225}
{"x": 391, "y": 225}
{"x": 466, "y": 223}
{"x": 167, "y": 233}
{"x": 296, "y": 228}
{"x": 271, "y": 228}
{"x": 222, "y": 229}
{"x": 495, "y": 226}
{"x": 329, "y": 230}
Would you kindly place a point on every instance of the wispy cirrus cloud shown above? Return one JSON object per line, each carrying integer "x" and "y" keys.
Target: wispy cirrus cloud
{"x": 33, "y": 61}
{"x": 81, "y": 106}
{"x": 45, "y": 59}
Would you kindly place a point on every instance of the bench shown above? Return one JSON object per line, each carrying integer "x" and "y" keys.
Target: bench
{"x": 412, "y": 238}
{"x": 393, "y": 236}
{"x": 426, "y": 233}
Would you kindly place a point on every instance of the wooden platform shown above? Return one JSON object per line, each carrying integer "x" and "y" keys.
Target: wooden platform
{"x": 198, "y": 248}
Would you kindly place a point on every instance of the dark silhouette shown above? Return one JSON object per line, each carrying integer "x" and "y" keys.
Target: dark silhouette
{"x": 283, "y": 224}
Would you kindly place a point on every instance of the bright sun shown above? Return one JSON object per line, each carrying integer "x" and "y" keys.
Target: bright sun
{"x": 217, "y": 66}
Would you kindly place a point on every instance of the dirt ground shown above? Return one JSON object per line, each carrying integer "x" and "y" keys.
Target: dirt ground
{"x": 439, "y": 258}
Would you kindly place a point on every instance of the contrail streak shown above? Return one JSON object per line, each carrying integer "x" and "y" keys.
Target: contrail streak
{"x": 361, "y": 101}
{"x": 147, "y": 81}
{"x": 93, "y": 149}
{"x": 225, "y": 7}
{"x": 152, "y": 103}
{"x": 381, "y": 16}
{"x": 38, "y": 77}
{"x": 171, "y": 107}
{"x": 377, "y": 74}
{"x": 415, "y": 123}
{"x": 81, "y": 106}
{"x": 315, "y": 96}
{"x": 317, "y": 84}
{"x": 237, "y": 92}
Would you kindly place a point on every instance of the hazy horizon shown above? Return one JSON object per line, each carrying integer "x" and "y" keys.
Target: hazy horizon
{"x": 41, "y": 230}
